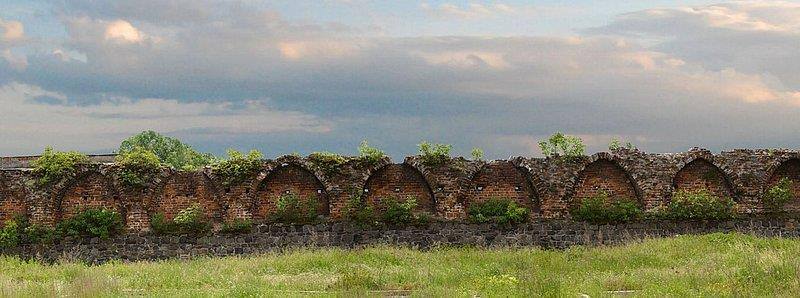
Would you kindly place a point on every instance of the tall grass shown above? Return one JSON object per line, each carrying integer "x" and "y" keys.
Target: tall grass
{"x": 711, "y": 266}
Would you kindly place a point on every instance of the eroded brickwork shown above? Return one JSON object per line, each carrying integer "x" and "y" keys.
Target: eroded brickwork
{"x": 93, "y": 191}
{"x": 501, "y": 179}
{"x": 604, "y": 176}
{"x": 184, "y": 189}
{"x": 789, "y": 169}
{"x": 289, "y": 179}
{"x": 12, "y": 201}
{"x": 701, "y": 174}
{"x": 399, "y": 182}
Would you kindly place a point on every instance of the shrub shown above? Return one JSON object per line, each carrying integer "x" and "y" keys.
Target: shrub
{"x": 617, "y": 145}
{"x": 292, "y": 209}
{"x": 434, "y": 154}
{"x": 370, "y": 154}
{"x": 358, "y": 212}
{"x": 698, "y": 205}
{"x": 477, "y": 153}
{"x": 239, "y": 226}
{"x": 400, "y": 212}
{"x": 329, "y": 162}
{"x": 778, "y": 195}
{"x": 238, "y": 167}
{"x": 101, "y": 223}
{"x": 54, "y": 165}
{"x": 498, "y": 210}
{"x": 10, "y": 234}
{"x": 561, "y": 145}
{"x": 136, "y": 166}
{"x": 170, "y": 151}
{"x": 190, "y": 220}
{"x": 602, "y": 209}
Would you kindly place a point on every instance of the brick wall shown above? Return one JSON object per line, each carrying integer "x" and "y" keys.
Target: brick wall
{"x": 289, "y": 179}
{"x": 92, "y": 191}
{"x": 184, "y": 189}
{"x": 12, "y": 202}
{"x": 701, "y": 174}
{"x": 501, "y": 180}
{"x": 399, "y": 181}
{"x": 604, "y": 176}
{"x": 789, "y": 169}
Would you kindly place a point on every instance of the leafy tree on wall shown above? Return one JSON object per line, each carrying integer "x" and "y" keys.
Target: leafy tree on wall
{"x": 170, "y": 151}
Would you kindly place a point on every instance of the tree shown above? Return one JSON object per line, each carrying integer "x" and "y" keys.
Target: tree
{"x": 171, "y": 151}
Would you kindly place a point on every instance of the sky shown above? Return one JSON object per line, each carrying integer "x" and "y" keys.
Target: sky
{"x": 303, "y": 76}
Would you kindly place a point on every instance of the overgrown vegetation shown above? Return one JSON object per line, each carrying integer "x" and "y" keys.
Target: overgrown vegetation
{"x": 778, "y": 195}
{"x": 191, "y": 220}
{"x": 330, "y": 163}
{"x": 10, "y": 234}
{"x": 101, "y": 223}
{"x": 170, "y": 151}
{"x": 715, "y": 265}
{"x": 17, "y": 231}
{"x": 477, "y": 153}
{"x": 601, "y": 209}
{"x": 358, "y": 212}
{"x": 502, "y": 211}
{"x": 239, "y": 226}
{"x": 370, "y": 154}
{"x": 291, "y": 208}
{"x": 53, "y": 165}
{"x": 564, "y": 146}
{"x": 616, "y": 144}
{"x": 434, "y": 154}
{"x": 238, "y": 167}
{"x": 136, "y": 167}
{"x": 697, "y": 205}
{"x": 399, "y": 212}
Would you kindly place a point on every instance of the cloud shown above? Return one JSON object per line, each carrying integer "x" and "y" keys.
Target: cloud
{"x": 11, "y": 31}
{"x": 34, "y": 117}
{"x": 470, "y": 11}
{"x": 123, "y": 31}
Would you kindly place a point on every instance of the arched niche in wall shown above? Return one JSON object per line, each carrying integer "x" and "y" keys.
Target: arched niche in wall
{"x": 90, "y": 191}
{"x": 399, "y": 182}
{"x": 184, "y": 189}
{"x": 502, "y": 180}
{"x": 289, "y": 179}
{"x": 788, "y": 169}
{"x": 605, "y": 176}
{"x": 12, "y": 202}
{"x": 700, "y": 174}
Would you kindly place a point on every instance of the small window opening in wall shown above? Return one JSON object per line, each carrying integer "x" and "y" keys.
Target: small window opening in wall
{"x": 396, "y": 189}
{"x": 288, "y": 191}
{"x": 227, "y": 190}
{"x": 439, "y": 188}
{"x": 319, "y": 191}
{"x": 284, "y": 164}
{"x": 85, "y": 198}
{"x": 247, "y": 190}
{"x": 517, "y": 188}
{"x": 479, "y": 188}
{"x": 366, "y": 190}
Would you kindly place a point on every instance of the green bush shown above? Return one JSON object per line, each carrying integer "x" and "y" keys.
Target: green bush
{"x": 170, "y": 151}
{"x": 101, "y": 223}
{"x": 778, "y": 195}
{"x": 358, "y": 212}
{"x": 10, "y": 234}
{"x": 602, "y": 209}
{"x": 698, "y": 205}
{"x": 136, "y": 166}
{"x": 330, "y": 163}
{"x": 434, "y": 154}
{"x": 239, "y": 226}
{"x": 292, "y": 209}
{"x": 370, "y": 154}
{"x": 53, "y": 165}
{"x": 190, "y": 220}
{"x": 477, "y": 153}
{"x": 617, "y": 145}
{"x": 401, "y": 212}
{"x": 497, "y": 210}
{"x": 561, "y": 145}
{"x": 238, "y": 167}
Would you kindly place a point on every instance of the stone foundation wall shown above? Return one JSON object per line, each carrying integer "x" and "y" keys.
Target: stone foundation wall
{"x": 266, "y": 238}
{"x": 549, "y": 186}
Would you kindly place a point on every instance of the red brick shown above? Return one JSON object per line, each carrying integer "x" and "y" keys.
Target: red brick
{"x": 92, "y": 191}
{"x": 604, "y": 176}
{"x": 290, "y": 179}
{"x": 400, "y": 182}
{"x": 701, "y": 174}
{"x": 501, "y": 180}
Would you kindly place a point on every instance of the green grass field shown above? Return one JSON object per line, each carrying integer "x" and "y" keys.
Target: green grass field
{"x": 712, "y": 265}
